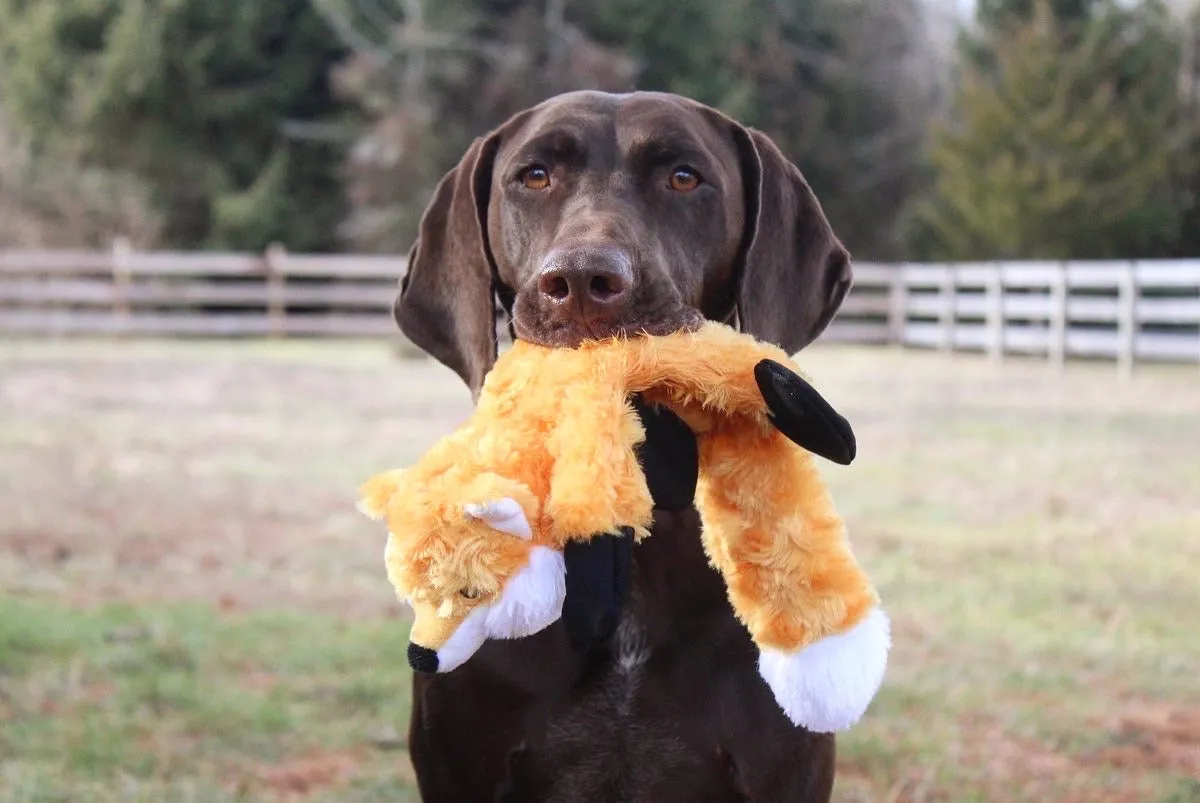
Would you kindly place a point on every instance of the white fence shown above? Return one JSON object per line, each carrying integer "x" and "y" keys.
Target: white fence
{"x": 125, "y": 292}
{"x": 1122, "y": 311}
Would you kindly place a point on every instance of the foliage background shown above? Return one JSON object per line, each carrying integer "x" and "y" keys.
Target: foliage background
{"x": 1035, "y": 128}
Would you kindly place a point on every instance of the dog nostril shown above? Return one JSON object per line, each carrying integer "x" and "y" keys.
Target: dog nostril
{"x": 422, "y": 659}
{"x": 604, "y": 287}
{"x": 555, "y": 287}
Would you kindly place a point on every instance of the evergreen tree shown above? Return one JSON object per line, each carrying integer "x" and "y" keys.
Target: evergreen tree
{"x": 194, "y": 97}
{"x": 993, "y": 14}
{"x": 1189, "y": 241}
{"x": 53, "y": 201}
{"x": 1065, "y": 149}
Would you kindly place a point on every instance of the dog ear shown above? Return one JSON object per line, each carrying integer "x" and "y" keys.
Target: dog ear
{"x": 446, "y": 304}
{"x": 792, "y": 272}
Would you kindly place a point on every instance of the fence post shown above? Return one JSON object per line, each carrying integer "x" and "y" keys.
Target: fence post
{"x": 994, "y": 299}
{"x": 946, "y": 292}
{"x": 1057, "y": 347}
{"x": 1127, "y": 326}
{"x": 122, "y": 278}
{"x": 275, "y": 260}
{"x": 897, "y": 305}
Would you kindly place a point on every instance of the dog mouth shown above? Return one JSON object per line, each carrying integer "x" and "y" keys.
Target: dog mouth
{"x": 572, "y": 333}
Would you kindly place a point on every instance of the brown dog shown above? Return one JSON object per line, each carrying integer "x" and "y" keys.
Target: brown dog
{"x": 588, "y": 215}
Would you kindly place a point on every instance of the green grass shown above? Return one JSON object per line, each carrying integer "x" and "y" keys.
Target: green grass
{"x": 190, "y": 608}
{"x": 1036, "y": 539}
{"x": 179, "y": 702}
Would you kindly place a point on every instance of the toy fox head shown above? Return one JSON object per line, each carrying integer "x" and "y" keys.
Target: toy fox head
{"x": 470, "y": 571}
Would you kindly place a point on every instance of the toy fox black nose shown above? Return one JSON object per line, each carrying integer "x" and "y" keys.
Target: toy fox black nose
{"x": 422, "y": 659}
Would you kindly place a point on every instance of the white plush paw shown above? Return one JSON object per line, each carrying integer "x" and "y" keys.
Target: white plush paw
{"x": 827, "y": 686}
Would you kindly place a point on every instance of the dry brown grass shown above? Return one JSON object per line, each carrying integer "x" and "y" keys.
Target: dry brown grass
{"x": 192, "y": 610}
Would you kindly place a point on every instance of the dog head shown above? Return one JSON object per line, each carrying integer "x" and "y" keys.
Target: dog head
{"x": 595, "y": 214}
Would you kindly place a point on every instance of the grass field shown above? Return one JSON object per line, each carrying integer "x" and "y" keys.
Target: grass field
{"x": 191, "y": 609}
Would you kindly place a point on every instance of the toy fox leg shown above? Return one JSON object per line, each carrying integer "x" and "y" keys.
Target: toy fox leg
{"x": 771, "y": 529}
{"x": 719, "y": 373}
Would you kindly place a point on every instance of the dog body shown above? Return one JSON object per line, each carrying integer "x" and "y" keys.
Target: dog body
{"x": 590, "y": 215}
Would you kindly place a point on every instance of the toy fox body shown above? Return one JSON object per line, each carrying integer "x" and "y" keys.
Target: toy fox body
{"x": 477, "y": 527}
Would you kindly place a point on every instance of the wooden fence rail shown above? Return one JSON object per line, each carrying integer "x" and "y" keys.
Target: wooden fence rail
{"x": 124, "y": 292}
{"x": 1122, "y": 311}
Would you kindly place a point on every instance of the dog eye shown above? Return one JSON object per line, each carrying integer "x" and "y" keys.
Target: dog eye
{"x": 469, "y": 593}
{"x": 684, "y": 179}
{"x": 535, "y": 177}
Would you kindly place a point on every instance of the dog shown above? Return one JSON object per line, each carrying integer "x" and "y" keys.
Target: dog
{"x": 589, "y": 215}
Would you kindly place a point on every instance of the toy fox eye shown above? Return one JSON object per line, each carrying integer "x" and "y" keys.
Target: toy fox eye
{"x": 469, "y": 593}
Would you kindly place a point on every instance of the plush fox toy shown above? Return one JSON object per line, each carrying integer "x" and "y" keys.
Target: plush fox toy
{"x": 478, "y": 526}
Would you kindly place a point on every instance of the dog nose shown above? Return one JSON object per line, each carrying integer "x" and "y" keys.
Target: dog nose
{"x": 594, "y": 279}
{"x": 422, "y": 659}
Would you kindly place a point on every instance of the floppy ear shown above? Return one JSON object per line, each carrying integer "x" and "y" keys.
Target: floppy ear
{"x": 446, "y": 304}
{"x": 793, "y": 272}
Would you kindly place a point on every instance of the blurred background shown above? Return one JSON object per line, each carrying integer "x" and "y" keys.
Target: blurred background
{"x": 204, "y": 210}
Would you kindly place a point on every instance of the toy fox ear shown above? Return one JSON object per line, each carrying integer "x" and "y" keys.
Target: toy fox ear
{"x": 803, "y": 415}
{"x": 504, "y": 515}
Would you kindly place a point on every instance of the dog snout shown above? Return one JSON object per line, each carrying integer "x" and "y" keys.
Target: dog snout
{"x": 592, "y": 282}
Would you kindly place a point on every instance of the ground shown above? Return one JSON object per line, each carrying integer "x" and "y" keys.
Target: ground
{"x": 191, "y": 609}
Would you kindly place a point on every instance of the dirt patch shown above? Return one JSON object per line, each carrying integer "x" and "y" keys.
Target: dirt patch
{"x": 202, "y": 554}
{"x": 1009, "y": 756}
{"x": 1161, "y": 737}
{"x": 172, "y": 750}
{"x": 302, "y": 777}
{"x": 258, "y": 681}
{"x": 1005, "y": 755}
{"x": 1144, "y": 738}
{"x": 225, "y": 475}
{"x": 75, "y": 700}
{"x": 45, "y": 549}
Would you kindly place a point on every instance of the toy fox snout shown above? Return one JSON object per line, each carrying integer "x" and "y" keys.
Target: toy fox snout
{"x": 422, "y": 659}
{"x": 530, "y": 601}
{"x": 450, "y": 625}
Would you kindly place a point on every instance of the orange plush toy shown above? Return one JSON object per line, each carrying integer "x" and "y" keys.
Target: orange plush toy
{"x": 478, "y": 526}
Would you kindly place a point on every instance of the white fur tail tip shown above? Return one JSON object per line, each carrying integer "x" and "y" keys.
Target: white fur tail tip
{"x": 827, "y": 686}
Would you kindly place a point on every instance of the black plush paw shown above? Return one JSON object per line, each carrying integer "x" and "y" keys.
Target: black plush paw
{"x": 598, "y": 568}
{"x": 669, "y": 457}
{"x": 597, "y": 584}
{"x": 802, "y": 415}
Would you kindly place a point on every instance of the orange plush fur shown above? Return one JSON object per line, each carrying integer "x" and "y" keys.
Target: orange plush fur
{"x": 554, "y": 430}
